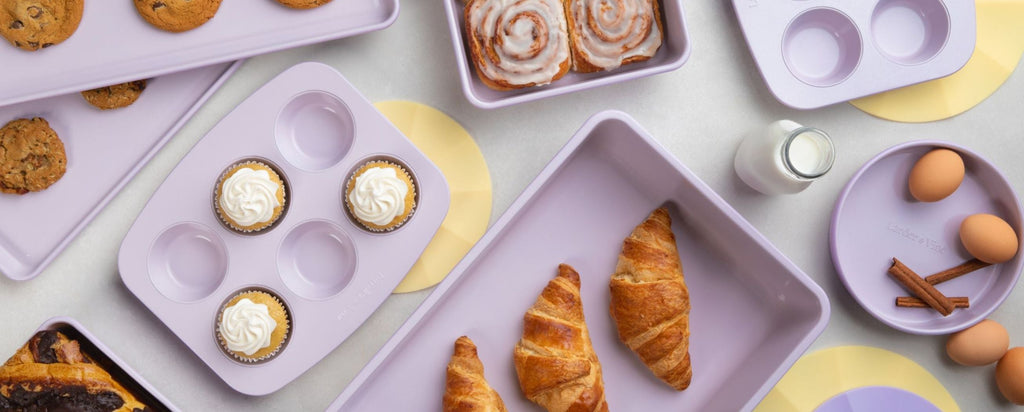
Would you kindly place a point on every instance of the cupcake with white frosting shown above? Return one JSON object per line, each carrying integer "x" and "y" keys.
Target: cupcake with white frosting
{"x": 380, "y": 195}
{"x": 252, "y": 326}
{"x": 250, "y": 197}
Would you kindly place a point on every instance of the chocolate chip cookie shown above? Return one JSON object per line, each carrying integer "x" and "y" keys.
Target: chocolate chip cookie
{"x": 35, "y": 24}
{"x": 31, "y": 156}
{"x": 177, "y": 15}
{"x": 116, "y": 96}
{"x": 303, "y": 4}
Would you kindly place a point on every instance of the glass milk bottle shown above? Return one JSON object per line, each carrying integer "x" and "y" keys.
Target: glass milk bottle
{"x": 784, "y": 158}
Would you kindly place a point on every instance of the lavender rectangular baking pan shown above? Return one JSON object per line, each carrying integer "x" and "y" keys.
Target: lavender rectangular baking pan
{"x": 675, "y": 50}
{"x": 754, "y": 312}
{"x": 113, "y": 44}
{"x": 103, "y": 356}
{"x": 105, "y": 149}
{"x": 816, "y": 53}
{"x": 315, "y": 128}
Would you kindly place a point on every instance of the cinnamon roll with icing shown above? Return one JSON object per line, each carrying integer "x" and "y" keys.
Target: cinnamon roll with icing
{"x": 517, "y": 43}
{"x": 606, "y": 34}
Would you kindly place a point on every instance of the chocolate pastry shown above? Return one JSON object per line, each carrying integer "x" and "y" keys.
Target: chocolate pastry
{"x": 303, "y": 4}
{"x": 35, "y": 24}
{"x": 51, "y": 373}
{"x": 177, "y": 15}
{"x": 115, "y": 96}
{"x": 31, "y": 156}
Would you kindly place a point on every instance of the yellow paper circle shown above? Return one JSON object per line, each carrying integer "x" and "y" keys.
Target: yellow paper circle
{"x": 452, "y": 150}
{"x": 818, "y": 377}
{"x": 1000, "y": 44}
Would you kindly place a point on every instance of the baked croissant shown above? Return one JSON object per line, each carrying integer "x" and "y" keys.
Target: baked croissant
{"x": 51, "y": 373}
{"x": 650, "y": 303}
{"x": 465, "y": 389}
{"x": 555, "y": 361}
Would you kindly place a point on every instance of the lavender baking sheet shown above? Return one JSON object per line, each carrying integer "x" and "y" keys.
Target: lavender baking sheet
{"x": 113, "y": 44}
{"x": 105, "y": 149}
{"x": 753, "y": 312}
{"x": 116, "y": 367}
{"x": 316, "y": 129}
{"x": 674, "y": 51}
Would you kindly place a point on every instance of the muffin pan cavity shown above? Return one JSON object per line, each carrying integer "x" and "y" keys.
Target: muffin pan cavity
{"x": 180, "y": 261}
{"x": 814, "y": 53}
{"x": 317, "y": 259}
{"x": 315, "y": 131}
{"x": 822, "y": 47}
{"x": 187, "y": 262}
{"x": 910, "y": 31}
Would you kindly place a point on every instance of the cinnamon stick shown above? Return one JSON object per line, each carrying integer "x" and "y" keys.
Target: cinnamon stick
{"x": 918, "y": 287}
{"x": 956, "y": 271}
{"x": 912, "y": 302}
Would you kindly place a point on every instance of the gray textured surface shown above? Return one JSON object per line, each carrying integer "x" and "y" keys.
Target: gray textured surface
{"x": 699, "y": 112}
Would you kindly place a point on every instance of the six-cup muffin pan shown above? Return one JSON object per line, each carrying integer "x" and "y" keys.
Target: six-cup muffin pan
{"x": 814, "y": 53}
{"x": 314, "y": 128}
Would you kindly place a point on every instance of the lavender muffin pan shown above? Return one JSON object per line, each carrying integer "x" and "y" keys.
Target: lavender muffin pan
{"x": 876, "y": 219}
{"x": 816, "y": 53}
{"x": 314, "y": 128}
{"x": 113, "y": 44}
{"x": 674, "y": 51}
{"x": 94, "y": 176}
{"x": 753, "y": 312}
{"x": 116, "y": 367}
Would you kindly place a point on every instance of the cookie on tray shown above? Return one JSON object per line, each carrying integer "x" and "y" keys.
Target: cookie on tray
{"x": 35, "y": 24}
{"x": 177, "y": 15}
{"x": 303, "y": 4}
{"x": 31, "y": 156}
{"x": 115, "y": 96}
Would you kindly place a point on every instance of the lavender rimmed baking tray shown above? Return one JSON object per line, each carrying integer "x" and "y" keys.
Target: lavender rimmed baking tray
{"x": 816, "y": 53}
{"x": 753, "y": 311}
{"x": 315, "y": 129}
{"x": 105, "y": 149}
{"x": 113, "y": 44}
{"x": 675, "y": 50}
{"x": 116, "y": 367}
{"x": 875, "y": 219}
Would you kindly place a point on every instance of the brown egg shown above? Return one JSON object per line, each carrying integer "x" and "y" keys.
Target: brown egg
{"x": 988, "y": 238}
{"x": 1010, "y": 375}
{"x": 936, "y": 175}
{"x": 978, "y": 345}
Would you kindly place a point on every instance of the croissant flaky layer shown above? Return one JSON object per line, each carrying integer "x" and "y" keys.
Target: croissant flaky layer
{"x": 51, "y": 373}
{"x": 650, "y": 302}
{"x": 555, "y": 361}
{"x": 466, "y": 390}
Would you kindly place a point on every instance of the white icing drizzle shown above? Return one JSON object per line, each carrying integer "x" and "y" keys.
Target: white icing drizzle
{"x": 378, "y": 195}
{"x": 610, "y": 31}
{"x": 249, "y": 196}
{"x": 246, "y": 326}
{"x": 522, "y": 41}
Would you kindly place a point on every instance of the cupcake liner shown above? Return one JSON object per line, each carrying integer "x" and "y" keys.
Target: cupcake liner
{"x": 241, "y": 357}
{"x": 391, "y": 226}
{"x": 216, "y": 197}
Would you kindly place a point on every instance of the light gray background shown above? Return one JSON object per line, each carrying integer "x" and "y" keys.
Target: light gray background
{"x": 700, "y": 112}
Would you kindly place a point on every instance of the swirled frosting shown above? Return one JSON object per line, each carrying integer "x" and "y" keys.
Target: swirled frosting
{"x": 378, "y": 195}
{"x": 246, "y": 326}
{"x": 249, "y": 196}
{"x": 521, "y": 41}
{"x": 607, "y": 32}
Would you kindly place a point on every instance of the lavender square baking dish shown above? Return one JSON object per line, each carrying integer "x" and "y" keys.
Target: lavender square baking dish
{"x": 113, "y": 44}
{"x": 105, "y": 149}
{"x": 116, "y": 367}
{"x": 753, "y": 312}
{"x": 673, "y": 53}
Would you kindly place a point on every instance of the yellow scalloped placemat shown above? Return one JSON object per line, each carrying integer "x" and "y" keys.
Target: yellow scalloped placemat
{"x": 453, "y": 150}
{"x": 998, "y": 50}
{"x": 818, "y": 377}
